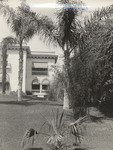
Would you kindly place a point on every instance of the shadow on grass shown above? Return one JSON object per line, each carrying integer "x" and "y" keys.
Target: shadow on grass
{"x": 29, "y": 103}
{"x": 15, "y": 103}
{"x": 27, "y": 100}
{"x": 96, "y": 119}
{"x": 34, "y": 149}
{"x": 107, "y": 109}
{"x": 79, "y": 149}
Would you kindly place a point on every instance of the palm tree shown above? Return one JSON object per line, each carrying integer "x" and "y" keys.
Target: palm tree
{"x": 5, "y": 43}
{"x": 64, "y": 33}
{"x": 23, "y": 25}
{"x": 98, "y": 40}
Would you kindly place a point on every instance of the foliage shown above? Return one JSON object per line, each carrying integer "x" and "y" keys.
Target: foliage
{"x": 100, "y": 47}
{"x": 56, "y": 91}
{"x": 84, "y": 73}
{"x": 28, "y": 92}
{"x": 57, "y": 131}
{"x": 56, "y": 127}
{"x": 24, "y": 23}
{"x": 64, "y": 33}
{"x": 92, "y": 64}
{"x": 31, "y": 133}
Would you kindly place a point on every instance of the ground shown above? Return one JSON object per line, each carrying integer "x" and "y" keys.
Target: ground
{"x": 16, "y": 117}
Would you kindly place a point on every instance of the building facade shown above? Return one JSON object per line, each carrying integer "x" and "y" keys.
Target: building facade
{"x": 37, "y": 70}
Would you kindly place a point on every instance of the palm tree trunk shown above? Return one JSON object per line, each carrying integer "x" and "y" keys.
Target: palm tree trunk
{"x": 20, "y": 73}
{"x": 67, "y": 94}
{"x": 4, "y": 64}
{"x": 66, "y": 100}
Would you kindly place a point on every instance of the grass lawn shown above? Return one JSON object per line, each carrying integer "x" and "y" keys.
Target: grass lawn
{"x": 16, "y": 117}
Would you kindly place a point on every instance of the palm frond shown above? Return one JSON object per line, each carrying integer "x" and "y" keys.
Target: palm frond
{"x": 61, "y": 119}
{"x": 29, "y": 134}
{"x": 7, "y": 12}
{"x": 98, "y": 16}
{"x": 57, "y": 115}
{"x": 9, "y": 41}
{"x": 47, "y": 30}
{"x": 76, "y": 129}
{"x": 67, "y": 23}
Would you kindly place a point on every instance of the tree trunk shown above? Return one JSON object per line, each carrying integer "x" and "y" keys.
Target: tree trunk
{"x": 20, "y": 73}
{"x": 67, "y": 94}
{"x": 4, "y": 64}
{"x": 66, "y": 100}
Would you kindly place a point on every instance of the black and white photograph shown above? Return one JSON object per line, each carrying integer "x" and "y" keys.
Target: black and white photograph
{"x": 56, "y": 74}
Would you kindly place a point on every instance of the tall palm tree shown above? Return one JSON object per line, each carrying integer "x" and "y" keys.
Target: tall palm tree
{"x": 23, "y": 25}
{"x": 5, "y": 43}
{"x": 65, "y": 33}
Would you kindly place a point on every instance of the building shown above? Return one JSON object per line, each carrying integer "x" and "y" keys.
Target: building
{"x": 37, "y": 70}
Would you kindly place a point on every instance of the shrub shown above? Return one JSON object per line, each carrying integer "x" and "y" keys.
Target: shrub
{"x": 28, "y": 92}
{"x": 58, "y": 131}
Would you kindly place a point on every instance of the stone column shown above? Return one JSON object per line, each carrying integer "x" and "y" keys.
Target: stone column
{"x": 40, "y": 88}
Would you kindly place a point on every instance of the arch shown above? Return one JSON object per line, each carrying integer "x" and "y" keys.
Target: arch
{"x": 45, "y": 84}
{"x": 35, "y": 84}
{"x": 35, "y": 81}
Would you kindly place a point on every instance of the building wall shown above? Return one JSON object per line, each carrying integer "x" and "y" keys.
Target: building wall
{"x": 30, "y": 77}
{"x": 13, "y": 60}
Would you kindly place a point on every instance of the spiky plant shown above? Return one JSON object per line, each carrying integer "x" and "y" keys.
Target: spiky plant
{"x": 56, "y": 128}
{"x": 57, "y": 131}
{"x": 76, "y": 129}
{"x": 30, "y": 134}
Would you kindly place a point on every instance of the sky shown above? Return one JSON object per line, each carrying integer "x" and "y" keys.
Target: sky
{"x": 45, "y": 7}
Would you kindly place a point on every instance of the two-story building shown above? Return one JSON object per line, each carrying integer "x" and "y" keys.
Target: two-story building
{"x": 37, "y": 70}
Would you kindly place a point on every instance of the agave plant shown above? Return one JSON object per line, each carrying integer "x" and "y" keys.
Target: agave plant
{"x": 56, "y": 128}
{"x": 57, "y": 131}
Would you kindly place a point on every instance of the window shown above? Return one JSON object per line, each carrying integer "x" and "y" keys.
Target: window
{"x": 45, "y": 85}
{"x": 36, "y": 85}
{"x": 39, "y": 68}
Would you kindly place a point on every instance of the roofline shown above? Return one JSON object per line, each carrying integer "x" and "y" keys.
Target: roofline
{"x": 44, "y": 56}
{"x": 42, "y": 52}
{"x": 16, "y": 47}
{"x": 37, "y": 54}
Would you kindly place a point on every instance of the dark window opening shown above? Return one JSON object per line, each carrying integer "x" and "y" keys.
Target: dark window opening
{"x": 45, "y": 87}
{"x": 35, "y": 86}
{"x": 39, "y": 69}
